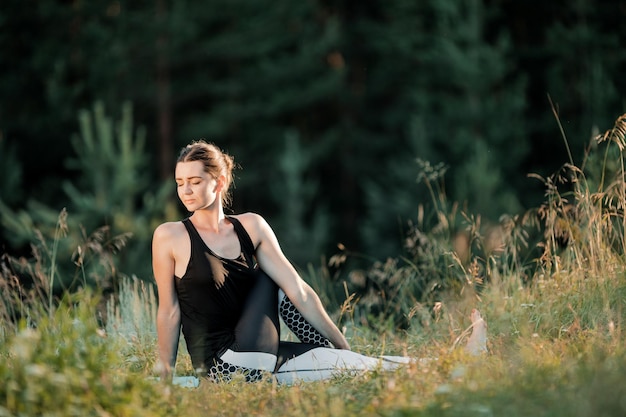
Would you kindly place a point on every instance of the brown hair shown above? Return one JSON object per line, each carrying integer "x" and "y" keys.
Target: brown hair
{"x": 216, "y": 162}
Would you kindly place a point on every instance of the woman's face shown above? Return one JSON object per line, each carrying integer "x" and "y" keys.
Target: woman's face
{"x": 196, "y": 189}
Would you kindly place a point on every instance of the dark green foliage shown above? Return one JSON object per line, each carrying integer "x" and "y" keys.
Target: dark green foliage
{"x": 59, "y": 57}
{"x": 303, "y": 221}
{"x": 113, "y": 184}
{"x": 468, "y": 82}
{"x": 110, "y": 202}
{"x": 10, "y": 174}
{"x": 451, "y": 81}
{"x": 582, "y": 83}
{"x": 366, "y": 87}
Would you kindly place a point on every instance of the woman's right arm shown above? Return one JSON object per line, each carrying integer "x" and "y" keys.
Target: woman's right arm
{"x": 168, "y": 313}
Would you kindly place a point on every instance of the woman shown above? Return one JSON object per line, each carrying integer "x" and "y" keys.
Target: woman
{"x": 224, "y": 280}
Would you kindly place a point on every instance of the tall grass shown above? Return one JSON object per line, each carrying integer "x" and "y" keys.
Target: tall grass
{"x": 66, "y": 366}
{"x": 551, "y": 284}
{"x": 55, "y": 357}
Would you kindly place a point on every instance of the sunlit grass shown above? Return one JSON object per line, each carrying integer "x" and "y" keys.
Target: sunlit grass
{"x": 555, "y": 322}
{"x": 66, "y": 365}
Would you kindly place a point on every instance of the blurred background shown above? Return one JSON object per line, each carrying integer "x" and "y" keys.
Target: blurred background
{"x": 341, "y": 114}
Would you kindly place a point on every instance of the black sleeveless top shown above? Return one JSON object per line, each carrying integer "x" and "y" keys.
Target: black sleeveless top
{"x": 212, "y": 294}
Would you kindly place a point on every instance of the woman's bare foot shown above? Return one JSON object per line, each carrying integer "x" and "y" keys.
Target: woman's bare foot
{"x": 477, "y": 342}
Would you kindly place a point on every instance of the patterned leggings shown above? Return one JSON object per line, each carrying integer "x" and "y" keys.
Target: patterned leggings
{"x": 298, "y": 324}
{"x": 258, "y": 353}
{"x": 258, "y": 331}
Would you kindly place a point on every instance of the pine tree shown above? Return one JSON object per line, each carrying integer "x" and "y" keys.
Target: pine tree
{"x": 109, "y": 197}
{"x": 302, "y": 222}
{"x": 469, "y": 108}
{"x": 465, "y": 110}
{"x": 59, "y": 57}
{"x": 584, "y": 86}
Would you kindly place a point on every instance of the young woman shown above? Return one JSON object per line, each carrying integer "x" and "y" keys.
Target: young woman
{"x": 225, "y": 280}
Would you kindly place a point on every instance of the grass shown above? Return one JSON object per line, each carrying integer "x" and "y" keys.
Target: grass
{"x": 556, "y": 328}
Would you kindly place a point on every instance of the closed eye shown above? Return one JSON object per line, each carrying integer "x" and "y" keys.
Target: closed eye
{"x": 180, "y": 184}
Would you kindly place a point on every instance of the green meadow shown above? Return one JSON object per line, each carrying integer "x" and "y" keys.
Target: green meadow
{"x": 551, "y": 284}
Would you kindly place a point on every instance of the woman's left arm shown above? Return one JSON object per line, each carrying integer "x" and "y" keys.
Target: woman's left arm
{"x": 273, "y": 261}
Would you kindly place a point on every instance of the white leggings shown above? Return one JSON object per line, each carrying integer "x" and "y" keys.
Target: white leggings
{"x": 317, "y": 364}
{"x": 259, "y": 353}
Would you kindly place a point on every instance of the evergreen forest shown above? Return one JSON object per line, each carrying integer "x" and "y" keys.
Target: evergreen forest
{"x": 419, "y": 161}
{"x": 343, "y": 115}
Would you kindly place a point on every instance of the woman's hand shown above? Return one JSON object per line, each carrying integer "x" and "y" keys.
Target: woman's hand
{"x": 163, "y": 370}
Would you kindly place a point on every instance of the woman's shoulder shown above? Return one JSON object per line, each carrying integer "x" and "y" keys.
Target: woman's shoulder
{"x": 249, "y": 218}
{"x": 254, "y": 224}
{"x": 169, "y": 230}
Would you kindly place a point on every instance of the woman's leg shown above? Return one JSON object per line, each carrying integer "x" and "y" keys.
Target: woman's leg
{"x": 322, "y": 363}
{"x": 298, "y": 324}
{"x": 254, "y": 366}
{"x": 257, "y": 351}
{"x": 258, "y": 329}
{"x": 315, "y": 358}
{"x": 257, "y": 334}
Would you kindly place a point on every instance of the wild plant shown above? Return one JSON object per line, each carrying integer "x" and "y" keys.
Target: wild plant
{"x": 44, "y": 277}
{"x": 66, "y": 365}
{"x": 57, "y": 359}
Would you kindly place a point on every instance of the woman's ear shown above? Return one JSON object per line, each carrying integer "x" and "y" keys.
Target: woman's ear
{"x": 220, "y": 181}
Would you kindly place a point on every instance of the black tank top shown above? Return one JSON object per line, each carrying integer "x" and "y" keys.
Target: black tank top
{"x": 212, "y": 294}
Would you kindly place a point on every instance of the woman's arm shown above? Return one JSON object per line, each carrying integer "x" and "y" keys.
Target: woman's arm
{"x": 273, "y": 261}
{"x": 168, "y": 313}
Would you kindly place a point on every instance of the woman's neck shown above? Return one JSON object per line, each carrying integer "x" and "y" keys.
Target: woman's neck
{"x": 209, "y": 218}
